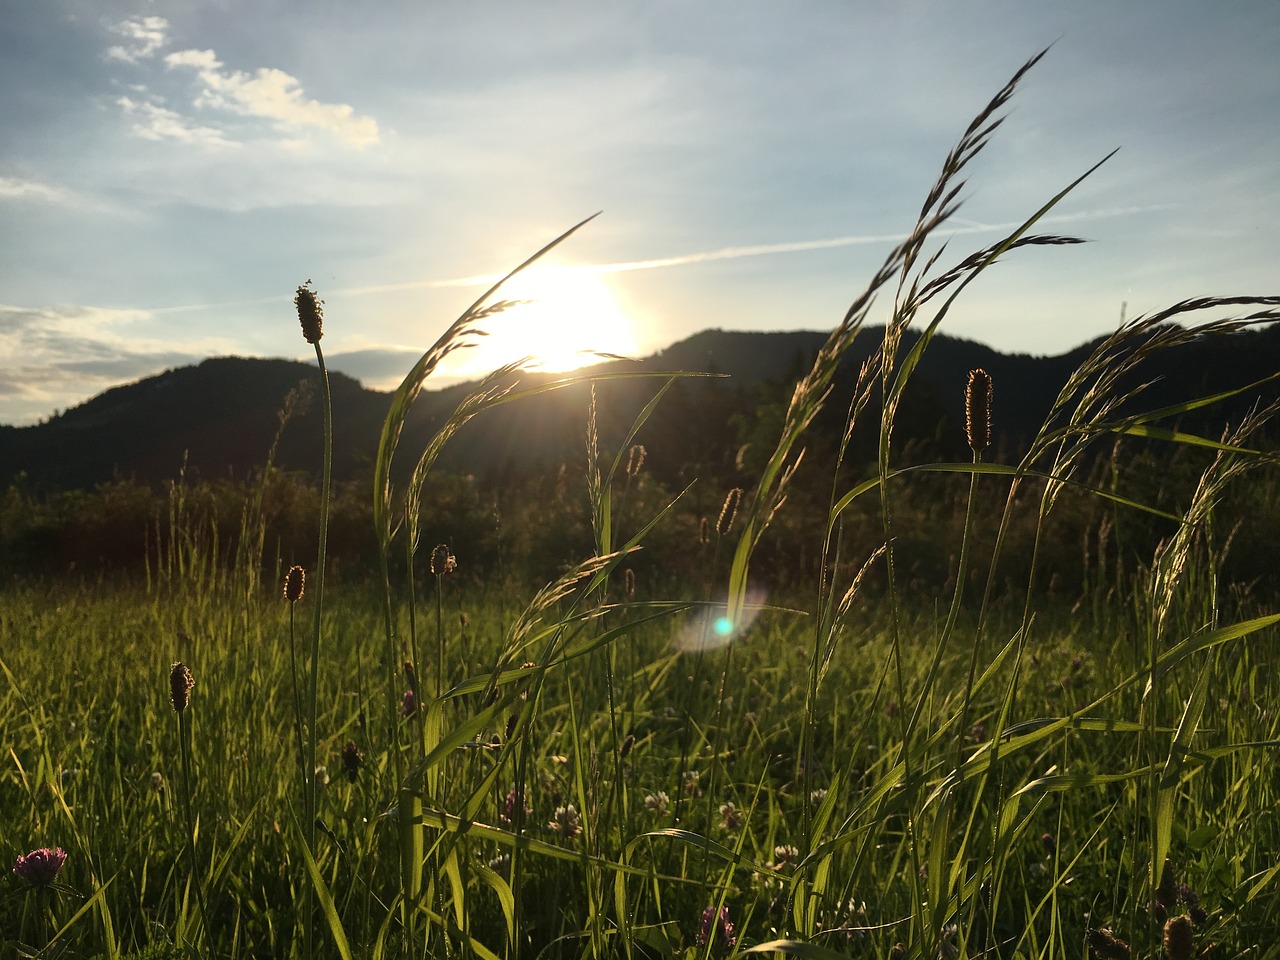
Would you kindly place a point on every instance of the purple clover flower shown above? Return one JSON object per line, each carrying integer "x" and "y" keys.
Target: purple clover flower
{"x": 408, "y": 704}
{"x": 514, "y": 806}
{"x": 40, "y": 867}
{"x": 709, "y": 925}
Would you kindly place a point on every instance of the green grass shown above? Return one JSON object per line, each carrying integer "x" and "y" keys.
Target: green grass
{"x": 985, "y": 770}
{"x": 89, "y": 723}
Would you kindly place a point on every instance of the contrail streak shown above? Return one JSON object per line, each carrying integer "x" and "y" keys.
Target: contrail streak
{"x": 958, "y": 226}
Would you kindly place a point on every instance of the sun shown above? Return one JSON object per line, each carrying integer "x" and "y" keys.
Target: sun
{"x": 566, "y": 316}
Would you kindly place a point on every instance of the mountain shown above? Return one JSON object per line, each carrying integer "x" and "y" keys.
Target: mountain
{"x": 220, "y": 418}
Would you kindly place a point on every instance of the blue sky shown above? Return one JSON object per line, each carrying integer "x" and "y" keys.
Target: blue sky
{"x": 169, "y": 172}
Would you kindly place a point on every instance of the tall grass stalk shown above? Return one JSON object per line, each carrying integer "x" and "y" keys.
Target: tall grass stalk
{"x": 180, "y": 684}
{"x": 310, "y": 317}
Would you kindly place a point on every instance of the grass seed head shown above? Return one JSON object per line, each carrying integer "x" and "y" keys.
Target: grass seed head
{"x": 310, "y": 313}
{"x": 180, "y": 684}
{"x": 635, "y": 459}
{"x": 352, "y": 760}
{"x": 442, "y": 561}
{"x": 1179, "y": 938}
{"x": 295, "y": 581}
{"x": 977, "y": 410}
{"x": 1105, "y": 945}
{"x": 729, "y": 511}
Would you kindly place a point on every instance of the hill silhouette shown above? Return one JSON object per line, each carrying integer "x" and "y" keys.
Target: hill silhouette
{"x": 221, "y": 417}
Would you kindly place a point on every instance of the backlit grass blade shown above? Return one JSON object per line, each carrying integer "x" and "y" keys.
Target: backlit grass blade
{"x": 1162, "y": 829}
{"x": 323, "y": 895}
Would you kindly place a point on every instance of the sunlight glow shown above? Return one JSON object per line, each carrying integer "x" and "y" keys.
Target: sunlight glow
{"x": 709, "y": 628}
{"x": 568, "y": 313}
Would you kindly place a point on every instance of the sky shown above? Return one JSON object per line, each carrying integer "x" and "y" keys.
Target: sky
{"x": 170, "y": 172}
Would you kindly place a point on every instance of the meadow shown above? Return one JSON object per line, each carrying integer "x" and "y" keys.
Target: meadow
{"x": 841, "y": 760}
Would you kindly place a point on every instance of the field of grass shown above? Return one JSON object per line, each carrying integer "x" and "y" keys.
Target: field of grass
{"x": 430, "y": 766}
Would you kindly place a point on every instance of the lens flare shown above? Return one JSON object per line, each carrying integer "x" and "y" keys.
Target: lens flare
{"x": 709, "y": 627}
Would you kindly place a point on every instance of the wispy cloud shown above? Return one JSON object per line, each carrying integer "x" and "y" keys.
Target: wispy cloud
{"x": 143, "y": 36}
{"x": 55, "y": 357}
{"x": 152, "y": 121}
{"x": 17, "y": 188}
{"x": 274, "y": 95}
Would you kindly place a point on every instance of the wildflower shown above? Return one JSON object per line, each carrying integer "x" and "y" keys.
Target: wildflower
{"x": 947, "y": 949}
{"x": 784, "y": 855}
{"x": 1179, "y": 939}
{"x": 310, "y": 313}
{"x": 658, "y": 803}
{"x": 157, "y": 782}
{"x": 408, "y": 704}
{"x": 977, "y": 410}
{"x": 352, "y": 760}
{"x": 514, "y": 805}
{"x": 709, "y": 925}
{"x": 728, "y": 511}
{"x": 1105, "y": 945}
{"x": 566, "y": 822}
{"x": 500, "y": 864}
{"x": 691, "y": 787}
{"x": 180, "y": 684}
{"x": 848, "y": 918}
{"x": 817, "y": 795}
{"x": 731, "y": 818}
{"x": 978, "y": 732}
{"x": 322, "y": 775}
{"x": 897, "y": 951}
{"x": 1049, "y": 843}
{"x": 40, "y": 867}
{"x": 442, "y": 561}
{"x": 294, "y": 583}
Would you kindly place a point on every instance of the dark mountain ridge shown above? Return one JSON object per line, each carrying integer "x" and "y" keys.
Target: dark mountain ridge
{"x": 221, "y": 416}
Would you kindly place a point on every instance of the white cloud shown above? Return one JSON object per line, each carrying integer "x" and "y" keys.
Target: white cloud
{"x": 16, "y": 188}
{"x": 56, "y": 357}
{"x": 143, "y": 37}
{"x": 274, "y": 95}
{"x": 151, "y": 121}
